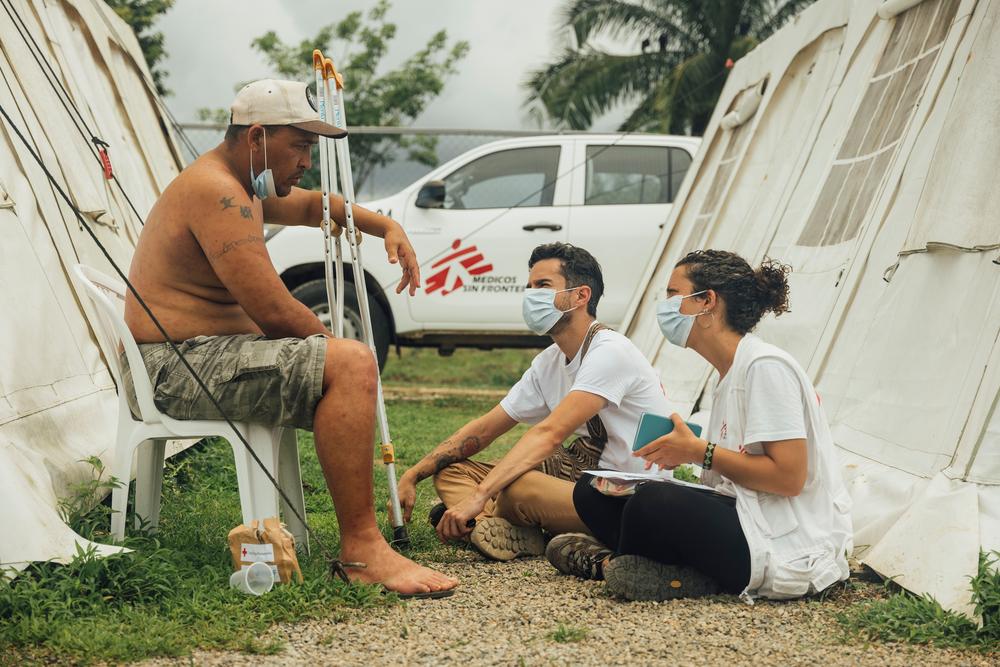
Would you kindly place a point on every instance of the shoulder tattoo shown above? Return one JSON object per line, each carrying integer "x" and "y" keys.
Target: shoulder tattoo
{"x": 245, "y": 211}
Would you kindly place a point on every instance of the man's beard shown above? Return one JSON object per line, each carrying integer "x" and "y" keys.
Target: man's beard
{"x": 561, "y": 325}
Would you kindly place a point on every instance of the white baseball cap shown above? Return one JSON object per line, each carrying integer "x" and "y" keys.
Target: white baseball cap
{"x": 276, "y": 102}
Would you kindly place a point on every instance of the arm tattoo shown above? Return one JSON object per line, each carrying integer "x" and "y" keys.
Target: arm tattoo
{"x": 245, "y": 211}
{"x": 468, "y": 447}
{"x": 229, "y": 246}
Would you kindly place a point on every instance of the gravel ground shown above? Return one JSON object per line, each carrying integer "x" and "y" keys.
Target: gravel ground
{"x": 508, "y": 614}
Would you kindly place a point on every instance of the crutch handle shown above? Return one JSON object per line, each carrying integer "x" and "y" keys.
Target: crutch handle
{"x": 330, "y": 72}
{"x": 317, "y": 59}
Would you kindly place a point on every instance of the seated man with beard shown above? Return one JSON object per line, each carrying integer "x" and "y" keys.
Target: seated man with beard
{"x": 591, "y": 384}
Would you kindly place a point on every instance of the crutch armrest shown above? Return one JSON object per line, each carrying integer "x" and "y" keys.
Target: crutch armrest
{"x": 317, "y": 59}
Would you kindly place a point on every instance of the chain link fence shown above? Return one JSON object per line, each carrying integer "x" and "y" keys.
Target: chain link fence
{"x": 436, "y": 146}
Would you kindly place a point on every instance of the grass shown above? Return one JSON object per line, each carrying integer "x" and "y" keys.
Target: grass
{"x": 474, "y": 369}
{"x": 565, "y": 634}
{"x": 171, "y": 595}
{"x": 904, "y": 617}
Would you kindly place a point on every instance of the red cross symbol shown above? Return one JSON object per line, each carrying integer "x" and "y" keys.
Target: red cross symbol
{"x": 244, "y": 551}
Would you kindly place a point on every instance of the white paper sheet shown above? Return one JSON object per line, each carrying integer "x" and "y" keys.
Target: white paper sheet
{"x": 621, "y": 477}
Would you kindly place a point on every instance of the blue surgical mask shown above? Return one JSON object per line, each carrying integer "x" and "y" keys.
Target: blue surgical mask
{"x": 263, "y": 183}
{"x": 539, "y": 309}
{"x": 674, "y": 324}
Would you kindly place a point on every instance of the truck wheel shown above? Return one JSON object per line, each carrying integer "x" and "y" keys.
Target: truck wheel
{"x": 313, "y": 295}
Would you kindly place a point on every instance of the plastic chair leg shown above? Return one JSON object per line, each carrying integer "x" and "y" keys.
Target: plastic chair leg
{"x": 122, "y": 471}
{"x": 290, "y": 479}
{"x": 149, "y": 483}
{"x": 260, "y": 500}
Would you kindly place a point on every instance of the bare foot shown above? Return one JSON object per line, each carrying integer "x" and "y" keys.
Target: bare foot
{"x": 395, "y": 572}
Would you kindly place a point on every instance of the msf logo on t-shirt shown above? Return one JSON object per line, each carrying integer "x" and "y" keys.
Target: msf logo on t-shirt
{"x": 457, "y": 269}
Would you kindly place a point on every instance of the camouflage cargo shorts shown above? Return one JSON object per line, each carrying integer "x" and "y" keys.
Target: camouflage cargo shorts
{"x": 254, "y": 378}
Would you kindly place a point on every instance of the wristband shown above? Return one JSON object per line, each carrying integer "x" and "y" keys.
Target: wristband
{"x": 706, "y": 464}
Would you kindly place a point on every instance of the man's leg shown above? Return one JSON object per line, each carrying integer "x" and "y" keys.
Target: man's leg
{"x": 540, "y": 500}
{"x": 343, "y": 427}
{"x": 459, "y": 481}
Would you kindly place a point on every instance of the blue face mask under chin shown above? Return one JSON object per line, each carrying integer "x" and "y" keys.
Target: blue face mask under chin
{"x": 674, "y": 324}
{"x": 263, "y": 183}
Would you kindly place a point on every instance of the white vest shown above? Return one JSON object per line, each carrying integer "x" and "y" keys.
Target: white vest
{"x": 798, "y": 545}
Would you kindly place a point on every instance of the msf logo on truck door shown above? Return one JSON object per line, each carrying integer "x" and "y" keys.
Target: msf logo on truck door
{"x": 458, "y": 269}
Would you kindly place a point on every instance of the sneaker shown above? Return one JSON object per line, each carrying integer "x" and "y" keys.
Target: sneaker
{"x": 499, "y": 539}
{"x": 639, "y": 578}
{"x": 577, "y": 554}
{"x": 434, "y": 516}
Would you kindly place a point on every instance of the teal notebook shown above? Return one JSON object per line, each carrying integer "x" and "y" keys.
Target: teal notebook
{"x": 653, "y": 426}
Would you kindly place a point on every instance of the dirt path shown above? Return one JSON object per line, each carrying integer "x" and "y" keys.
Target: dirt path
{"x": 509, "y": 614}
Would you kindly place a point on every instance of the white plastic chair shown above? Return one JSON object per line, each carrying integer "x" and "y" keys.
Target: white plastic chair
{"x": 276, "y": 447}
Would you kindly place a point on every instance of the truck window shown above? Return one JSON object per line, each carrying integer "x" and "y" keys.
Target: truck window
{"x": 510, "y": 178}
{"x": 634, "y": 174}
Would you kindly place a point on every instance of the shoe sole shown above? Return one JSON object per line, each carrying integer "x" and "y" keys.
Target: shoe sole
{"x": 505, "y": 541}
{"x": 642, "y": 579}
{"x": 561, "y": 561}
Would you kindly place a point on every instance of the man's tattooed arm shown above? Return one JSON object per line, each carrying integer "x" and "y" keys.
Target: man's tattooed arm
{"x": 449, "y": 452}
{"x": 229, "y": 246}
{"x": 245, "y": 211}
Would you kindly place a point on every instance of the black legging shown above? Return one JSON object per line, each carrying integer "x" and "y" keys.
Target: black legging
{"x": 672, "y": 524}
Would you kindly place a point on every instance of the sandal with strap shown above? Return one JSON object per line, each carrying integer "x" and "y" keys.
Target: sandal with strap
{"x": 339, "y": 568}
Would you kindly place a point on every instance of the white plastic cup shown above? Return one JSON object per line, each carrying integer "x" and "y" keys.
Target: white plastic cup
{"x": 253, "y": 579}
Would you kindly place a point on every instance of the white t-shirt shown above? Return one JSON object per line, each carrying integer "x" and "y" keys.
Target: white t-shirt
{"x": 613, "y": 369}
{"x": 774, "y": 410}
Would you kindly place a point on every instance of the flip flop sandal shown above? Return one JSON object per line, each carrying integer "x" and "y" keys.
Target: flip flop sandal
{"x": 429, "y": 595}
{"x": 339, "y": 569}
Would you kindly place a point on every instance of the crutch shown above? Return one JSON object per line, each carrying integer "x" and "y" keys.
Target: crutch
{"x": 333, "y": 91}
{"x": 336, "y": 309}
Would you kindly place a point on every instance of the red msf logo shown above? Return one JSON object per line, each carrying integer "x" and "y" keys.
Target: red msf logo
{"x": 457, "y": 268}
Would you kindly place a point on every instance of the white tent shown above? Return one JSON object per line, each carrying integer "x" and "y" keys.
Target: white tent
{"x": 57, "y": 398}
{"x": 861, "y": 144}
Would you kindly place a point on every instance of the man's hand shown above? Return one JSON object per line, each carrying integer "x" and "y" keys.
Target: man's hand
{"x": 399, "y": 251}
{"x": 407, "y": 491}
{"x": 455, "y": 522}
{"x": 678, "y": 447}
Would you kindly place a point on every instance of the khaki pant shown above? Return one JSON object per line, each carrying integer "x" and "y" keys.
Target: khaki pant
{"x": 533, "y": 499}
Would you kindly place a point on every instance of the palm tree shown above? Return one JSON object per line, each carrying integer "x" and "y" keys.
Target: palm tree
{"x": 687, "y": 49}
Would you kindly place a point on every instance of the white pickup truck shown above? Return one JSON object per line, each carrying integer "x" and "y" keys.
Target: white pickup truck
{"x": 474, "y": 222}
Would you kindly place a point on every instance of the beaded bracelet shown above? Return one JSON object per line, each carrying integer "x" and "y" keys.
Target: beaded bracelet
{"x": 709, "y": 453}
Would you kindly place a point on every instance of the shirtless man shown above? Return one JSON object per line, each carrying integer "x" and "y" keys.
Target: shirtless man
{"x": 202, "y": 267}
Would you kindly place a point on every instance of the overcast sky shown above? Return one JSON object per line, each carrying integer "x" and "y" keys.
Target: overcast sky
{"x": 208, "y": 47}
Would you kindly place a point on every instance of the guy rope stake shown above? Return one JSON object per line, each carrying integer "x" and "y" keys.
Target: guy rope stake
{"x": 336, "y": 103}
{"x": 326, "y": 176}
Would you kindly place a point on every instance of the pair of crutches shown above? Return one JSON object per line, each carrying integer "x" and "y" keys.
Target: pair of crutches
{"x": 330, "y": 94}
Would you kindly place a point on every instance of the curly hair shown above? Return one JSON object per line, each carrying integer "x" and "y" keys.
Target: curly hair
{"x": 577, "y": 266}
{"x": 747, "y": 294}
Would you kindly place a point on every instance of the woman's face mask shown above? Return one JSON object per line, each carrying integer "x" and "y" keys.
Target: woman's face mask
{"x": 263, "y": 183}
{"x": 674, "y": 324}
{"x": 539, "y": 309}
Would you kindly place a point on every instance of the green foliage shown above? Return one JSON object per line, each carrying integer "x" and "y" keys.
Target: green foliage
{"x": 675, "y": 80}
{"x": 141, "y": 15}
{"x": 905, "y": 617}
{"x": 80, "y": 509}
{"x": 686, "y": 474}
{"x": 497, "y": 369}
{"x": 565, "y": 634}
{"x": 393, "y": 98}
